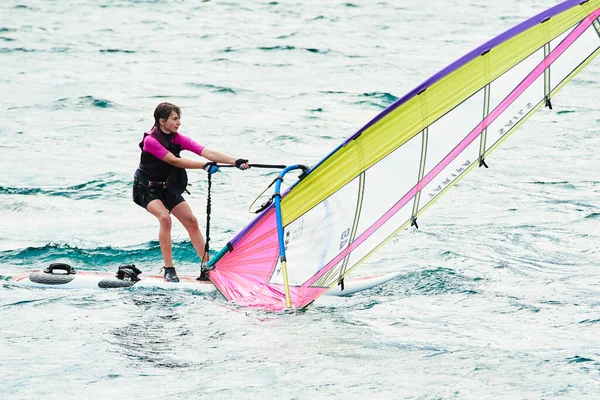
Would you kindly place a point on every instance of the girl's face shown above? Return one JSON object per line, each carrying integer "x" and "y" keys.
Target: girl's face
{"x": 171, "y": 125}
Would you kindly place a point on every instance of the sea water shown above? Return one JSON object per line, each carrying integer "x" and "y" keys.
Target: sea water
{"x": 499, "y": 295}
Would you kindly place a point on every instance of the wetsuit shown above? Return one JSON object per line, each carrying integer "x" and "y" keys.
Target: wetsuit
{"x": 151, "y": 177}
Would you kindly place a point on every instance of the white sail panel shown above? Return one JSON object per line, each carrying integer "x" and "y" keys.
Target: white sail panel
{"x": 319, "y": 235}
{"x": 574, "y": 55}
{"x": 451, "y": 129}
{"x": 444, "y": 135}
{"x": 388, "y": 180}
{"x": 515, "y": 112}
{"x": 502, "y": 86}
{"x": 557, "y": 40}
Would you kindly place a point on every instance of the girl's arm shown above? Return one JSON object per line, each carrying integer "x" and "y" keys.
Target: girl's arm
{"x": 217, "y": 157}
{"x": 223, "y": 158}
{"x": 183, "y": 162}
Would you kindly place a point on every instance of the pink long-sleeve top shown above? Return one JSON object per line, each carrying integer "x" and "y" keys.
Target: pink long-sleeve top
{"x": 153, "y": 146}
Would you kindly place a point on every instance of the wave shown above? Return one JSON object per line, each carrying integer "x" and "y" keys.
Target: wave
{"x": 93, "y": 189}
{"x": 275, "y": 48}
{"x": 565, "y": 184}
{"x": 431, "y": 281}
{"x": 213, "y": 88}
{"x": 553, "y": 183}
{"x": 319, "y": 51}
{"x": 579, "y": 359}
{"x": 378, "y": 99}
{"x": 590, "y": 321}
{"x": 82, "y": 102}
{"x": 440, "y": 281}
{"x": 287, "y": 36}
{"x": 291, "y": 48}
{"x": 28, "y": 50}
{"x": 117, "y": 51}
{"x": 107, "y": 257}
{"x": 315, "y": 114}
{"x": 332, "y": 92}
{"x": 229, "y": 50}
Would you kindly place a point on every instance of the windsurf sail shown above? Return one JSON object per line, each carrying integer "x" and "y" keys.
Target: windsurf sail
{"x": 378, "y": 181}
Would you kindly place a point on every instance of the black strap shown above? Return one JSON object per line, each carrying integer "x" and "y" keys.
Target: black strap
{"x": 128, "y": 271}
{"x": 60, "y": 266}
{"x": 208, "y": 211}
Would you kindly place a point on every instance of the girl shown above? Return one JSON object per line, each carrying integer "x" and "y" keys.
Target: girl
{"x": 161, "y": 178}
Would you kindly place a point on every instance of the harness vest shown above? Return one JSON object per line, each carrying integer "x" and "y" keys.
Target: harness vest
{"x": 153, "y": 168}
{"x": 159, "y": 173}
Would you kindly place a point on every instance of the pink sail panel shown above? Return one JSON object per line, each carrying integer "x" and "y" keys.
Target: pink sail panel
{"x": 243, "y": 275}
{"x": 243, "y": 272}
{"x": 271, "y": 297}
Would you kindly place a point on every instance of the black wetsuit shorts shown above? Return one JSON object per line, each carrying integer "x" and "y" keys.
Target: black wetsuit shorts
{"x": 143, "y": 194}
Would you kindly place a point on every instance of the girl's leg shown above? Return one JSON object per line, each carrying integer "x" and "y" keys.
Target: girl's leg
{"x": 158, "y": 209}
{"x": 184, "y": 214}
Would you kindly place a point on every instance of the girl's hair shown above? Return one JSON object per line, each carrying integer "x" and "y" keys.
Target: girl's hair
{"x": 164, "y": 110}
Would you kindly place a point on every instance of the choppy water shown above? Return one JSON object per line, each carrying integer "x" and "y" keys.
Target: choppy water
{"x": 499, "y": 296}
